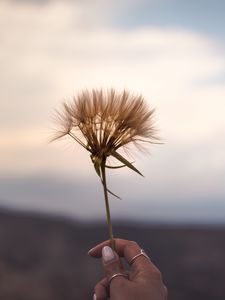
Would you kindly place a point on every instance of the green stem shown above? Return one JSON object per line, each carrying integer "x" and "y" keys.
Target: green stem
{"x": 107, "y": 205}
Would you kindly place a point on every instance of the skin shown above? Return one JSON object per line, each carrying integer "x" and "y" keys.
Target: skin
{"x": 144, "y": 281}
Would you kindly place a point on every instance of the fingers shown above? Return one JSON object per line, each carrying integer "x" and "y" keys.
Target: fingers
{"x": 127, "y": 249}
{"x": 120, "y": 244}
{"x": 112, "y": 264}
{"x": 97, "y": 250}
{"x": 142, "y": 270}
{"x": 101, "y": 290}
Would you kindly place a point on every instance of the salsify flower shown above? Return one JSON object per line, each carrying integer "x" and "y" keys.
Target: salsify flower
{"x": 104, "y": 121}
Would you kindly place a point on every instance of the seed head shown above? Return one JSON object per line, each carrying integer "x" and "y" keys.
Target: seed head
{"x": 104, "y": 121}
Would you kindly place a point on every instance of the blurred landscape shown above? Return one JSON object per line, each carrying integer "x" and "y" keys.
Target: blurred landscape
{"x": 44, "y": 257}
{"x": 173, "y": 53}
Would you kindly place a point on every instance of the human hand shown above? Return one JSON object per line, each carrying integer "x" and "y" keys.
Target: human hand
{"x": 144, "y": 280}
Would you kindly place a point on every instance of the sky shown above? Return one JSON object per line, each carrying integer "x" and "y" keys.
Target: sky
{"x": 170, "y": 51}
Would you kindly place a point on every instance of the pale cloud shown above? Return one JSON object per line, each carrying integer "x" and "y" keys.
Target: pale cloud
{"x": 52, "y": 51}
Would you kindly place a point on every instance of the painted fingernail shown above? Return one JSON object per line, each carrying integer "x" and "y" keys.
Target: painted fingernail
{"x": 107, "y": 254}
{"x": 94, "y": 297}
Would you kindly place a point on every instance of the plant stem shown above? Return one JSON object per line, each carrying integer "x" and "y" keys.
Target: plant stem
{"x": 107, "y": 205}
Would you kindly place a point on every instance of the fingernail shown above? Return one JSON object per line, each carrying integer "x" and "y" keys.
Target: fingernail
{"x": 107, "y": 254}
{"x": 94, "y": 297}
{"x": 91, "y": 250}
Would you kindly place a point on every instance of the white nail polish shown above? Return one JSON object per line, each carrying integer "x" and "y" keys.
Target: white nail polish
{"x": 107, "y": 254}
{"x": 94, "y": 297}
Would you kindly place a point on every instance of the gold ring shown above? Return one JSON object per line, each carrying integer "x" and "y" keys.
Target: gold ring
{"x": 115, "y": 275}
{"x": 142, "y": 253}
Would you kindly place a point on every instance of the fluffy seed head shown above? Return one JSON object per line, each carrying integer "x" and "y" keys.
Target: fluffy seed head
{"x": 103, "y": 121}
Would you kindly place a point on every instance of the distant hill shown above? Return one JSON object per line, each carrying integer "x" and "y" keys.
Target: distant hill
{"x": 44, "y": 258}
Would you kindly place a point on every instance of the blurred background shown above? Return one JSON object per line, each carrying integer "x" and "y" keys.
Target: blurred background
{"x": 51, "y": 202}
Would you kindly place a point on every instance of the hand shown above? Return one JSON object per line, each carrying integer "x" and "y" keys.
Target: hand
{"x": 144, "y": 280}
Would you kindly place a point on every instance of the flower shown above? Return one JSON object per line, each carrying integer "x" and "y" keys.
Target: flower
{"x": 102, "y": 122}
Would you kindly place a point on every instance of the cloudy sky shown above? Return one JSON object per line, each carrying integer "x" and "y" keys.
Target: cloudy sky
{"x": 170, "y": 51}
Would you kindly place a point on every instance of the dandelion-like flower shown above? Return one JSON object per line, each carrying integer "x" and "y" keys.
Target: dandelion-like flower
{"x": 102, "y": 122}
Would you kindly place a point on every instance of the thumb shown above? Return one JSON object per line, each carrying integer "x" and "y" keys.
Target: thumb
{"x": 111, "y": 262}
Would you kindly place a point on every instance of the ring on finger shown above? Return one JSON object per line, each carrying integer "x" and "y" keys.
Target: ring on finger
{"x": 116, "y": 275}
{"x": 142, "y": 253}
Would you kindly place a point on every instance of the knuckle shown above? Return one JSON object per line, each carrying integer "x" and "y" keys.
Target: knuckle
{"x": 133, "y": 243}
{"x": 130, "y": 244}
{"x": 157, "y": 274}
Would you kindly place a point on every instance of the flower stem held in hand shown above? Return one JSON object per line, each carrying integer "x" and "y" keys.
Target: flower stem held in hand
{"x": 107, "y": 204}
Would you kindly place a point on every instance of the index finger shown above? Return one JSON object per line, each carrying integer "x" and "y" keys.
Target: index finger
{"x": 128, "y": 250}
{"x": 119, "y": 244}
